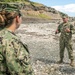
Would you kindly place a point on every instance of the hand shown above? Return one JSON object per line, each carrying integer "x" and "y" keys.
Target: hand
{"x": 67, "y": 30}
{"x": 56, "y": 31}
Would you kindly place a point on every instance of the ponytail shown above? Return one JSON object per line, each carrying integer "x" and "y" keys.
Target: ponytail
{"x": 2, "y": 21}
{"x": 7, "y": 16}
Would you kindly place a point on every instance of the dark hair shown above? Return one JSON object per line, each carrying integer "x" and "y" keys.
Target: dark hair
{"x": 6, "y": 17}
{"x": 2, "y": 18}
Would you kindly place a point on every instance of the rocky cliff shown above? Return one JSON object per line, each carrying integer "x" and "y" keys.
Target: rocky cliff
{"x": 34, "y": 11}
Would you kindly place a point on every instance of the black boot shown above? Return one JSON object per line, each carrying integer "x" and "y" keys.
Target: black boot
{"x": 60, "y": 61}
{"x": 72, "y": 63}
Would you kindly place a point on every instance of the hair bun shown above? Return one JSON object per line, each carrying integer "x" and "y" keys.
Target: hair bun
{"x": 2, "y": 20}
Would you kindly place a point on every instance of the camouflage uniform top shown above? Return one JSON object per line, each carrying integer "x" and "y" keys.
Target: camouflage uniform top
{"x": 62, "y": 27}
{"x": 14, "y": 55}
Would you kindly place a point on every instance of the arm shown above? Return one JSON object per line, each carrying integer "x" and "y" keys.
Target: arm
{"x": 17, "y": 58}
{"x": 7, "y": 57}
{"x": 58, "y": 29}
{"x": 72, "y": 29}
{"x": 12, "y": 50}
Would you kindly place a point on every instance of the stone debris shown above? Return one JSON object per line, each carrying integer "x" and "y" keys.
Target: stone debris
{"x": 44, "y": 49}
{"x": 40, "y": 68}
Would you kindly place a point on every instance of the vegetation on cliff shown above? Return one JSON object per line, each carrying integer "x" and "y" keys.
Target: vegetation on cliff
{"x": 34, "y": 10}
{"x": 12, "y": 0}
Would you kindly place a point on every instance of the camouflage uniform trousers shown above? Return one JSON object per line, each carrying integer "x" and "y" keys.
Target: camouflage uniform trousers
{"x": 65, "y": 43}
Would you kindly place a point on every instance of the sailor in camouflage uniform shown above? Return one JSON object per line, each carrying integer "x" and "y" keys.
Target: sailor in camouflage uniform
{"x": 14, "y": 55}
{"x": 66, "y": 29}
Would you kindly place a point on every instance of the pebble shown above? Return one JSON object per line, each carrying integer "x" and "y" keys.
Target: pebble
{"x": 44, "y": 49}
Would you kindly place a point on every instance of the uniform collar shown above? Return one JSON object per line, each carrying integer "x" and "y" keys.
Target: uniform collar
{"x": 10, "y": 31}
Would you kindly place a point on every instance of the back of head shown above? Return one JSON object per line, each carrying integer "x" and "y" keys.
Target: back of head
{"x": 2, "y": 19}
{"x": 7, "y": 15}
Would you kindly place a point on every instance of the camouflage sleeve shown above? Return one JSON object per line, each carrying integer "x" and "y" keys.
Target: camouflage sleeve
{"x": 1, "y": 56}
{"x": 17, "y": 59}
{"x": 11, "y": 57}
{"x": 72, "y": 29}
{"x": 59, "y": 28}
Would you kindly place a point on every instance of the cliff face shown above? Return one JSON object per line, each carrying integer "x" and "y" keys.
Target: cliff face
{"x": 32, "y": 10}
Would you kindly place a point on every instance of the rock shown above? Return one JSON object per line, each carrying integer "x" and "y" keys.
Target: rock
{"x": 43, "y": 45}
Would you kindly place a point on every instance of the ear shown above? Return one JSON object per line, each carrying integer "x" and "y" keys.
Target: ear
{"x": 17, "y": 19}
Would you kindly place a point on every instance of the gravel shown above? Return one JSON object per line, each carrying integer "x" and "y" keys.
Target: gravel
{"x": 44, "y": 48}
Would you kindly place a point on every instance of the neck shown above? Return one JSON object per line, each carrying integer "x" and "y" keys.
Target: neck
{"x": 65, "y": 21}
{"x": 12, "y": 28}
